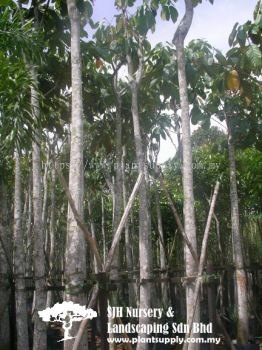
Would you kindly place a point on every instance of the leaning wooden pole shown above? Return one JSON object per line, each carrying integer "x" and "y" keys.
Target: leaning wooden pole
{"x": 110, "y": 256}
{"x": 202, "y": 262}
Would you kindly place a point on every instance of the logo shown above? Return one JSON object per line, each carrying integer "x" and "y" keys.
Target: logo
{"x": 67, "y": 313}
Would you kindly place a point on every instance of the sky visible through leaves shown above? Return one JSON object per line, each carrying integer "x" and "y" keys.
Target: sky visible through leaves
{"x": 213, "y": 23}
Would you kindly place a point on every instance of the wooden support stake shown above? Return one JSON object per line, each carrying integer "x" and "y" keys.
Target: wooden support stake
{"x": 102, "y": 301}
{"x": 202, "y": 261}
{"x": 116, "y": 239}
{"x": 178, "y": 221}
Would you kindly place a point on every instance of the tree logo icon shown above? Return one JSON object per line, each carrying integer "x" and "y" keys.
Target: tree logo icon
{"x": 67, "y": 313}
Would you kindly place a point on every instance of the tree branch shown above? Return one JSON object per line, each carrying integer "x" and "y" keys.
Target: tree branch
{"x": 184, "y": 25}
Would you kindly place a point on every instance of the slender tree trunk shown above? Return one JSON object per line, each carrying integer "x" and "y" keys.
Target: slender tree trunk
{"x": 189, "y": 213}
{"x": 241, "y": 278}
{"x": 162, "y": 252}
{"x": 29, "y": 238}
{"x": 117, "y": 186}
{"x": 45, "y": 199}
{"x": 5, "y": 271}
{"x": 93, "y": 229}
{"x": 117, "y": 195}
{"x": 128, "y": 242}
{"x": 19, "y": 264}
{"x": 39, "y": 240}
{"x": 52, "y": 231}
{"x": 75, "y": 259}
{"x": 145, "y": 245}
{"x": 103, "y": 227}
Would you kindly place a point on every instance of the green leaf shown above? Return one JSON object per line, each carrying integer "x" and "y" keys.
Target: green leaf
{"x": 165, "y": 14}
{"x": 233, "y": 35}
{"x": 254, "y": 56}
{"x": 196, "y": 115}
{"x": 173, "y": 14}
{"x": 241, "y": 36}
{"x": 141, "y": 22}
{"x": 221, "y": 58}
{"x": 119, "y": 24}
{"x": 205, "y": 123}
{"x": 89, "y": 9}
{"x": 5, "y": 2}
{"x": 150, "y": 19}
{"x": 147, "y": 45}
{"x": 130, "y": 3}
{"x": 154, "y": 4}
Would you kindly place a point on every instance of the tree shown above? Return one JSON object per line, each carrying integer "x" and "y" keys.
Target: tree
{"x": 189, "y": 213}
{"x": 75, "y": 255}
{"x": 232, "y": 89}
{"x": 40, "y": 341}
{"x": 19, "y": 263}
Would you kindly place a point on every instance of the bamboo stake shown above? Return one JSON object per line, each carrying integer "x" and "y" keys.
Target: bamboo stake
{"x": 202, "y": 260}
{"x": 178, "y": 221}
{"x": 80, "y": 222}
{"x": 110, "y": 256}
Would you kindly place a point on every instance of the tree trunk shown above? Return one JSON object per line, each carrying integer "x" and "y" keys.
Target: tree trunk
{"x": 28, "y": 228}
{"x": 117, "y": 186}
{"x": 45, "y": 199}
{"x": 162, "y": 252}
{"x": 103, "y": 227}
{"x": 128, "y": 243}
{"x": 93, "y": 230}
{"x": 145, "y": 245}
{"x": 117, "y": 196}
{"x": 39, "y": 239}
{"x": 19, "y": 264}
{"x": 5, "y": 271}
{"x": 52, "y": 232}
{"x": 75, "y": 256}
{"x": 189, "y": 213}
{"x": 241, "y": 278}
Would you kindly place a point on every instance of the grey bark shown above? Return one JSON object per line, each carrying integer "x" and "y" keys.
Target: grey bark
{"x": 103, "y": 227}
{"x": 5, "y": 271}
{"x": 162, "y": 252}
{"x": 238, "y": 255}
{"x": 19, "y": 264}
{"x": 52, "y": 251}
{"x": 75, "y": 255}
{"x": 145, "y": 245}
{"x": 128, "y": 242}
{"x": 39, "y": 342}
{"x": 29, "y": 237}
{"x": 189, "y": 213}
{"x": 178, "y": 221}
{"x": 117, "y": 185}
{"x": 92, "y": 227}
{"x": 117, "y": 197}
{"x": 202, "y": 262}
{"x": 110, "y": 256}
{"x": 45, "y": 199}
